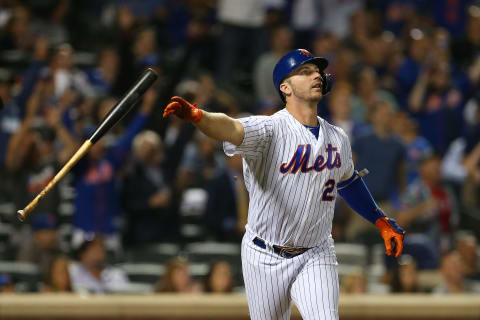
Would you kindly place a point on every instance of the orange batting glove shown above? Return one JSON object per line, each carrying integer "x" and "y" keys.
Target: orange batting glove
{"x": 183, "y": 109}
{"x": 391, "y": 232}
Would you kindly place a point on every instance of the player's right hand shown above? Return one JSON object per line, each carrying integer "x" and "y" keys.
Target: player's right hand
{"x": 183, "y": 109}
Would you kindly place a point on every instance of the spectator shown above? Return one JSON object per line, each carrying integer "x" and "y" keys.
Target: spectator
{"x": 9, "y": 123}
{"x": 453, "y": 168}
{"x": 437, "y": 103}
{"x": 304, "y": 17}
{"x": 177, "y": 278}
{"x": 408, "y": 70}
{"x": 337, "y": 21}
{"x": 226, "y": 210}
{"x": 201, "y": 162}
{"x": 58, "y": 278}
{"x": 19, "y": 32}
{"x": 404, "y": 278}
{"x": 97, "y": 202}
{"x": 9, "y": 116}
{"x": 66, "y": 75}
{"x": 147, "y": 195}
{"x": 429, "y": 207}
{"x": 42, "y": 246}
{"x": 242, "y": 38}
{"x": 90, "y": 272}
{"x": 471, "y": 189}
{"x": 342, "y": 65}
{"x": 219, "y": 278}
{"x": 389, "y": 165}
{"x": 466, "y": 48}
{"x": 368, "y": 94}
{"x": 467, "y": 248}
{"x": 280, "y": 42}
{"x": 144, "y": 50}
{"x": 416, "y": 146}
{"x": 393, "y": 154}
{"x": 53, "y": 17}
{"x": 453, "y": 275}
{"x": 340, "y": 107}
{"x": 354, "y": 283}
{"x": 357, "y": 38}
{"x": 104, "y": 75}
{"x": 327, "y": 45}
{"x": 177, "y": 134}
{"x": 125, "y": 32}
{"x": 31, "y": 154}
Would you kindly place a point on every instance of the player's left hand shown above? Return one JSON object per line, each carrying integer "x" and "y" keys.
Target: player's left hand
{"x": 183, "y": 109}
{"x": 392, "y": 235}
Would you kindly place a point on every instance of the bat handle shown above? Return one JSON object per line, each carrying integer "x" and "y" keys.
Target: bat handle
{"x": 22, "y": 214}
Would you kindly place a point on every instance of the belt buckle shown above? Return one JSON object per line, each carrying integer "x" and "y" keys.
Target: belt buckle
{"x": 289, "y": 253}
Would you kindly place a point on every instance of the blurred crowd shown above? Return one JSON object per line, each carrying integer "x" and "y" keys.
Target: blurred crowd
{"x": 406, "y": 92}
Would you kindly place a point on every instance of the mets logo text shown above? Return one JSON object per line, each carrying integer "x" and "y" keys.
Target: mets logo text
{"x": 301, "y": 157}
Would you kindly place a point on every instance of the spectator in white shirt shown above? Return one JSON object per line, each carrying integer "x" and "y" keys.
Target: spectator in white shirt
{"x": 91, "y": 274}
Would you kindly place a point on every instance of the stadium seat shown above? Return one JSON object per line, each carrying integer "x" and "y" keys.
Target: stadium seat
{"x": 26, "y": 276}
{"x": 208, "y": 252}
{"x": 6, "y": 250}
{"x": 352, "y": 254}
{"x": 154, "y": 253}
{"x": 148, "y": 273}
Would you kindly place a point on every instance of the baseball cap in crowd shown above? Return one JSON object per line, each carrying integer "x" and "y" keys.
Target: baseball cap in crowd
{"x": 81, "y": 241}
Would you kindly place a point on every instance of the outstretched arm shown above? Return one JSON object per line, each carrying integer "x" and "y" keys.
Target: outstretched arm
{"x": 217, "y": 126}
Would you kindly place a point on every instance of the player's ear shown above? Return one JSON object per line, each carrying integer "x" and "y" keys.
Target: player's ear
{"x": 285, "y": 88}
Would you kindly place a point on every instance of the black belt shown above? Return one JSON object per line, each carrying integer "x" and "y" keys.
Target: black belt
{"x": 286, "y": 252}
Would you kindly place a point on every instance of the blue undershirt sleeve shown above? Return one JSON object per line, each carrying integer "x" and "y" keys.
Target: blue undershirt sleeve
{"x": 356, "y": 194}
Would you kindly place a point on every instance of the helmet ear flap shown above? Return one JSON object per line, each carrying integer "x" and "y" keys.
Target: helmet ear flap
{"x": 327, "y": 82}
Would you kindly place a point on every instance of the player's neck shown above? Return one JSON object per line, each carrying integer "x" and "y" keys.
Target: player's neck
{"x": 305, "y": 114}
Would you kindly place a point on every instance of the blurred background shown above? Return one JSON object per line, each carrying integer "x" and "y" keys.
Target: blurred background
{"x": 157, "y": 207}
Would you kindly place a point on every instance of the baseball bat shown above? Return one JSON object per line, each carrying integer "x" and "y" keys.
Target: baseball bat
{"x": 118, "y": 111}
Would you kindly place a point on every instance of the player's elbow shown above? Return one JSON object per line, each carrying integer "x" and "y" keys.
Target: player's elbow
{"x": 237, "y": 134}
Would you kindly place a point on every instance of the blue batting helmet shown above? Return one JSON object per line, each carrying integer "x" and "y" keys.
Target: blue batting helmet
{"x": 293, "y": 60}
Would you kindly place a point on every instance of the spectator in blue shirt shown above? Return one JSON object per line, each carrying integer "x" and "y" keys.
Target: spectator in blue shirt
{"x": 97, "y": 207}
{"x": 416, "y": 146}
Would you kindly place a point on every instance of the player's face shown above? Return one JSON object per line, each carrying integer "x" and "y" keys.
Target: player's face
{"x": 306, "y": 83}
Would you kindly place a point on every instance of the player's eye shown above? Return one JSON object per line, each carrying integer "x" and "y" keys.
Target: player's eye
{"x": 307, "y": 72}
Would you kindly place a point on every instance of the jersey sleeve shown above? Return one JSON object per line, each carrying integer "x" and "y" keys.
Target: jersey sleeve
{"x": 258, "y": 134}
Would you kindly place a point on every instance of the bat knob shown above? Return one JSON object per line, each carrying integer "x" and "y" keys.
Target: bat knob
{"x": 20, "y": 215}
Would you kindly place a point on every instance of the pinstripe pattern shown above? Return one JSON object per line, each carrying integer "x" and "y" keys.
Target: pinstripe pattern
{"x": 271, "y": 282}
{"x": 287, "y": 209}
{"x": 292, "y": 203}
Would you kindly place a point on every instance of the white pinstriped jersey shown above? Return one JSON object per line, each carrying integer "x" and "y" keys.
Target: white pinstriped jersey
{"x": 291, "y": 177}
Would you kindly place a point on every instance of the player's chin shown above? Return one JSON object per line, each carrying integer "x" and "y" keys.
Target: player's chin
{"x": 316, "y": 94}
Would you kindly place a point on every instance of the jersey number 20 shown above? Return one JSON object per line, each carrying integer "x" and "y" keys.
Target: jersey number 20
{"x": 329, "y": 186}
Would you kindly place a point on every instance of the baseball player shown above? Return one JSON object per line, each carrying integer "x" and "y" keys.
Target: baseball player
{"x": 294, "y": 164}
